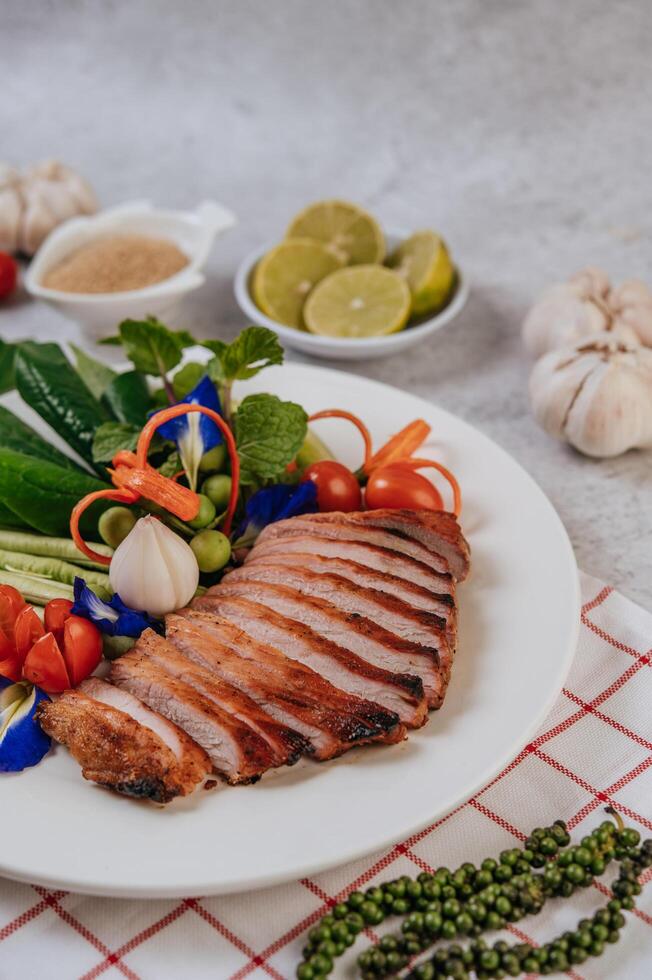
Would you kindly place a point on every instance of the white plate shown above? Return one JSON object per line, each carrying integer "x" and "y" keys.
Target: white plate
{"x": 518, "y": 627}
{"x": 347, "y": 348}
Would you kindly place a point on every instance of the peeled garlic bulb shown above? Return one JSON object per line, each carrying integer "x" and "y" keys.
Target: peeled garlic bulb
{"x": 569, "y": 311}
{"x": 632, "y": 305}
{"x": 34, "y": 203}
{"x": 154, "y": 569}
{"x": 596, "y": 394}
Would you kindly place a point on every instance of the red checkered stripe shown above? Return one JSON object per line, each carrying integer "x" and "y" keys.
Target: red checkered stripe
{"x": 50, "y": 899}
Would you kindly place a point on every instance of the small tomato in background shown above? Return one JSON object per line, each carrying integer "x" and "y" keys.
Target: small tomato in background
{"x": 397, "y": 486}
{"x": 337, "y": 487}
{"x": 8, "y": 274}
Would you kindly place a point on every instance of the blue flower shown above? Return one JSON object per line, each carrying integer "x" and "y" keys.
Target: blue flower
{"x": 275, "y": 504}
{"x": 22, "y": 741}
{"x": 112, "y": 617}
{"x": 195, "y": 434}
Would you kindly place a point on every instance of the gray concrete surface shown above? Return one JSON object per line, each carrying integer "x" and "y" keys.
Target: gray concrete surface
{"x": 521, "y": 130}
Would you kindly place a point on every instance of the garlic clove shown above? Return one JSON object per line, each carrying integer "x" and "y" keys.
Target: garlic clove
{"x": 10, "y": 210}
{"x": 554, "y": 383}
{"x": 591, "y": 281}
{"x": 154, "y": 569}
{"x": 560, "y": 318}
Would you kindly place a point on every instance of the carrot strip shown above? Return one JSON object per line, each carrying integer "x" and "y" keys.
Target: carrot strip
{"x": 421, "y": 464}
{"x": 175, "y": 411}
{"x": 336, "y": 413}
{"x": 403, "y": 444}
{"x": 148, "y": 482}
{"x": 120, "y": 496}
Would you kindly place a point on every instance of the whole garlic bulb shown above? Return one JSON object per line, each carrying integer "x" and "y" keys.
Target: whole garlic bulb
{"x": 596, "y": 394}
{"x": 632, "y": 305}
{"x": 154, "y": 569}
{"x": 34, "y": 203}
{"x": 569, "y": 311}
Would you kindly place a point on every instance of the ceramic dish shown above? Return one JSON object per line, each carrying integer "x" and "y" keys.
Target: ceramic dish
{"x": 519, "y": 616}
{"x": 193, "y": 231}
{"x": 341, "y": 348}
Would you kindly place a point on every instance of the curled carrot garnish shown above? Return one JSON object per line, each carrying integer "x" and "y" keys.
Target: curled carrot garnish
{"x": 337, "y": 413}
{"x": 134, "y": 478}
{"x": 400, "y": 446}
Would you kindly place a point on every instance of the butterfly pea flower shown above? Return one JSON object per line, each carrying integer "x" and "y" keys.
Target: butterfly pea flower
{"x": 195, "y": 434}
{"x": 112, "y": 617}
{"x": 22, "y": 741}
{"x": 275, "y": 504}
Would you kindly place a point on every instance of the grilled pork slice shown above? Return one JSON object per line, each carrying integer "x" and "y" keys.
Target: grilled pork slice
{"x": 438, "y": 531}
{"x": 286, "y": 744}
{"x": 401, "y": 693}
{"x": 370, "y": 555}
{"x": 237, "y": 752}
{"x": 122, "y": 745}
{"x": 349, "y": 629}
{"x": 330, "y": 719}
{"x": 342, "y": 528}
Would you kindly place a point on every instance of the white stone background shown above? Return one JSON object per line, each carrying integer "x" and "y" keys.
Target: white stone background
{"x": 521, "y": 130}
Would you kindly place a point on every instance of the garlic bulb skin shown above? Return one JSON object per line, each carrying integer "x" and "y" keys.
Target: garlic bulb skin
{"x": 559, "y": 317}
{"x": 632, "y": 305}
{"x": 596, "y": 395}
{"x": 154, "y": 569}
{"x": 34, "y": 203}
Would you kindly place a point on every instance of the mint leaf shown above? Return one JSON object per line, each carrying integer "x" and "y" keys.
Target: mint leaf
{"x": 111, "y": 437}
{"x": 186, "y": 378}
{"x": 269, "y": 433}
{"x": 254, "y": 349}
{"x": 151, "y": 346}
{"x": 171, "y": 465}
{"x": 96, "y": 376}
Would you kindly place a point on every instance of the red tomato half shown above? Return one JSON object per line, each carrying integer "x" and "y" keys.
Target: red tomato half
{"x": 337, "y": 487}
{"x": 82, "y": 648}
{"x": 397, "y": 486}
{"x": 28, "y": 630}
{"x": 57, "y": 612}
{"x": 45, "y": 667}
{"x": 11, "y": 603}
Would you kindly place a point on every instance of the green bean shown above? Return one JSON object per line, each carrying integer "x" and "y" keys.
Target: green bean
{"x": 54, "y": 569}
{"x": 36, "y": 590}
{"x": 47, "y": 547}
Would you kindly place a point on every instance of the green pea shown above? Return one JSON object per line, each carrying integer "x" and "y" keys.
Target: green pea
{"x": 206, "y": 513}
{"x": 213, "y": 460}
{"x": 212, "y": 550}
{"x": 115, "y": 524}
{"x": 218, "y": 490}
{"x": 114, "y": 646}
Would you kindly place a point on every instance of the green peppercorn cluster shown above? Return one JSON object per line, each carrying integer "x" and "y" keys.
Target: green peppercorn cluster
{"x": 465, "y": 903}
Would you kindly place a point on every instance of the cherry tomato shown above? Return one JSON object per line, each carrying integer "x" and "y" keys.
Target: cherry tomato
{"x": 82, "y": 648}
{"x": 57, "y": 612}
{"x": 8, "y": 274}
{"x": 45, "y": 666}
{"x": 10, "y": 662}
{"x": 337, "y": 487}
{"x": 397, "y": 486}
{"x": 28, "y": 630}
{"x": 11, "y": 603}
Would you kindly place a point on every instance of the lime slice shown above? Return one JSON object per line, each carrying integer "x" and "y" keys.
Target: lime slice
{"x": 361, "y": 301}
{"x": 424, "y": 262}
{"x": 349, "y": 232}
{"x": 285, "y": 275}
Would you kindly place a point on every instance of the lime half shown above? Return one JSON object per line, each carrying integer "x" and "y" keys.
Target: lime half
{"x": 361, "y": 301}
{"x": 424, "y": 262}
{"x": 348, "y": 231}
{"x": 285, "y": 275}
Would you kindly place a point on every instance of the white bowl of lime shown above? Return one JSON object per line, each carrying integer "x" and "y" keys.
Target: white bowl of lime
{"x": 352, "y": 348}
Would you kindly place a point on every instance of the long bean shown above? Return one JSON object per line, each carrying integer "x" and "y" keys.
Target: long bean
{"x": 54, "y": 569}
{"x": 47, "y": 547}
{"x": 36, "y": 590}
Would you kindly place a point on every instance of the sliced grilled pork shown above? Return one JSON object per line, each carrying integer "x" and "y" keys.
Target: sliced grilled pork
{"x": 363, "y": 553}
{"x": 295, "y": 695}
{"x": 349, "y": 629}
{"x": 402, "y": 693}
{"x": 342, "y": 528}
{"x": 122, "y": 745}
{"x": 286, "y": 744}
{"x": 237, "y": 753}
{"x": 438, "y": 531}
